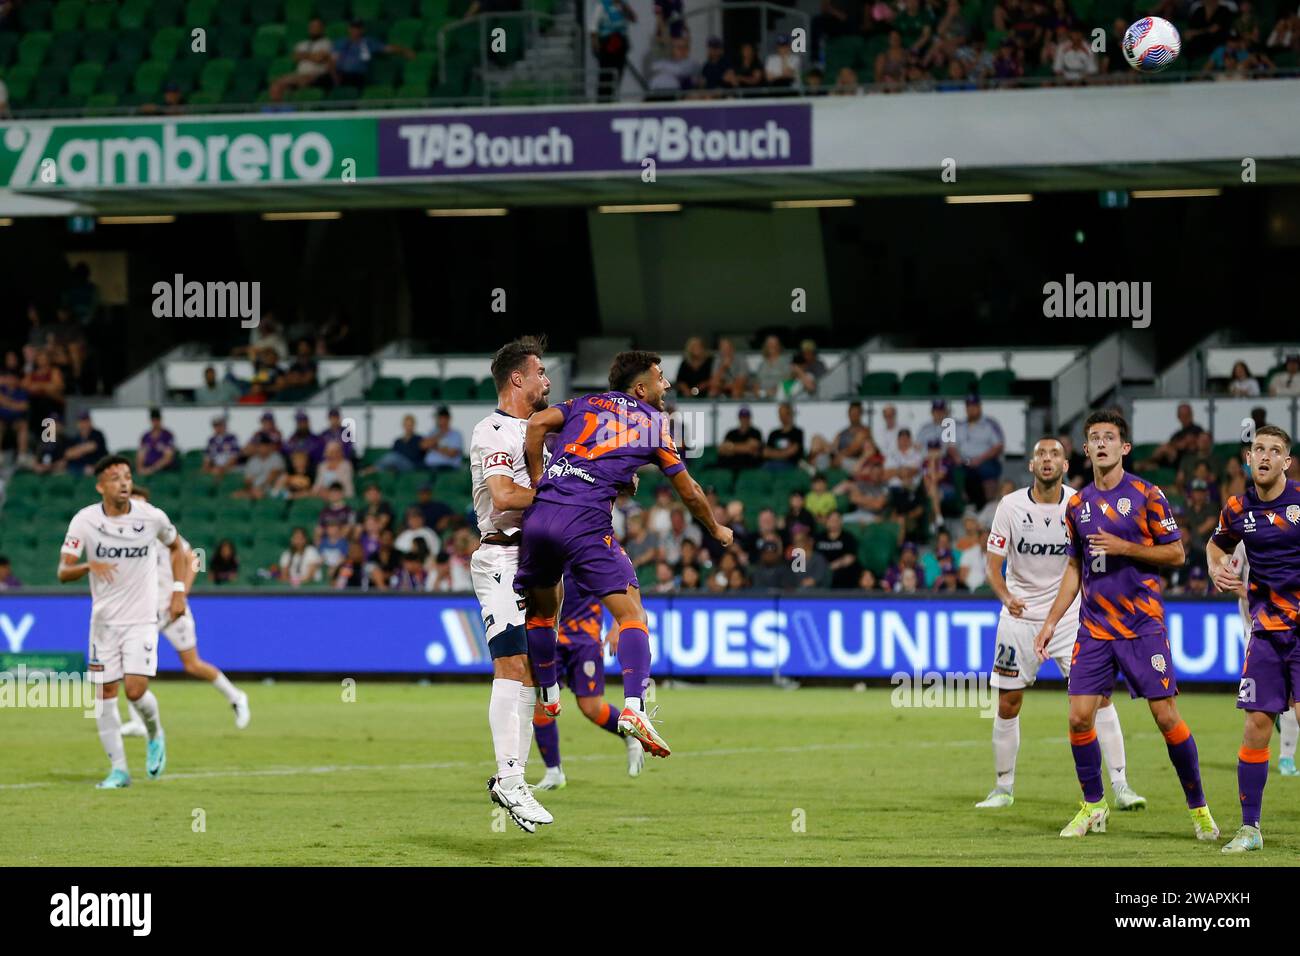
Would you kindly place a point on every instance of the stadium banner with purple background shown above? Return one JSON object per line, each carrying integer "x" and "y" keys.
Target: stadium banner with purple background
{"x": 752, "y": 636}
{"x": 488, "y": 143}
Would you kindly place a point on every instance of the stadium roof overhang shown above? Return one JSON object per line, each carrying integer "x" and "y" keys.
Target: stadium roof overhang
{"x": 732, "y": 187}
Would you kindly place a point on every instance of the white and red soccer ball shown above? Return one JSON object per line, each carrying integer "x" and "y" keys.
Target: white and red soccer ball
{"x": 1151, "y": 44}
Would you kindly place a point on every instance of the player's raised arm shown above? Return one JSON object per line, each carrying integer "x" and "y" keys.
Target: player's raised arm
{"x": 697, "y": 503}
{"x": 540, "y": 424}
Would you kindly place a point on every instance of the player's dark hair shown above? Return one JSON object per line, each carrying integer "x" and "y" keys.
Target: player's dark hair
{"x": 510, "y": 357}
{"x": 1277, "y": 432}
{"x": 108, "y": 461}
{"x": 1055, "y": 438}
{"x": 1107, "y": 416}
{"x": 628, "y": 366}
{"x": 139, "y": 491}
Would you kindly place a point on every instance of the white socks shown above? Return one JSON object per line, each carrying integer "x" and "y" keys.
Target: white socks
{"x": 227, "y": 689}
{"x": 1290, "y": 732}
{"x": 109, "y": 723}
{"x": 1006, "y": 744}
{"x": 1111, "y": 740}
{"x": 503, "y": 719}
{"x": 147, "y": 708}
{"x": 527, "y": 703}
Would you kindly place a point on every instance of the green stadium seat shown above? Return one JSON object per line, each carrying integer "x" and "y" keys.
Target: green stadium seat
{"x": 834, "y": 476}
{"x": 97, "y": 47}
{"x": 245, "y": 81}
{"x": 268, "y": 41}
{"x": 434, "y": 10}
{"x": 379, "y": 91}
{"x": 406, "y": 32}
{"x": 184, "y": 73}
{"x": 486, "y": 390}
{"x": 876, "y": 384}
{"x": 368, "y": 10}
{"x": 344, "y": 94}
{"x": 400, "y": 9}
{"x": 459, "y": 388}
{"x": 1224, "y": 451}
{"x": 1143, "y": 451}
{"x": 877, "y": 545}
{"x": 149, "y": 77}
{"x": 385, "y": 389}
{"x": 423, "y": 389}
{"x": 131, "y": 47}
{"x": 336, "y": 29}
{"x": 957, "y": 383}
{"x": 133, "y": 15}
{"x": 116, "y": 78}
{"x": 232, "y": 41}
{"x": 33, "y": 47}
{"x": 795, "y": 479}
{"x": 298, "y": 11}
{"x": 996, "y": 383}
{"x": 309, "y": 94}
{"x": 66, "y": 16}
{"x": 200, "y": 13}
{"x": 918, "y": 384}
{"x": 47, "y": 88}
{"x": 101, "y": 101}
{"x": 166, "y": 44}
{"x": 8, "y": 47}
{"x": 331, "y": 10}
{"x": 215, "y": 76}
{"x": 99, "y": 16}
{"x": 646, "y": 575}
{"x": 278, "y": 67}
{"x": 228, "y": 485}
{"x": 231, "y": 12}
{"x": 265, "y": 12}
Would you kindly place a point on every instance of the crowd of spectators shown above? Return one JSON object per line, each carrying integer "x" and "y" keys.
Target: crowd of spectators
{"x": 1283, "y": 383}
{"x": 724, "y": 373}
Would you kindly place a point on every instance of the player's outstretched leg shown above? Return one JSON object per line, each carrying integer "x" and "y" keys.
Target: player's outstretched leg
{"x": 1289, "y": 731}
{"x": 1111, "y": 739}
{"x": 1094, "y": 812}
{"x": 547, "y": 734}
{"x": 600, "y": 713}
{"x": 146, "y": 705}
{"x": 1252, "y": 775}
{"x": 197, "y": 667}
{"x": 1006, "y": 747}
{"x": 634, "y": 659}
{"x": 109, "y": 724}
{"x": 1182, "y": 754}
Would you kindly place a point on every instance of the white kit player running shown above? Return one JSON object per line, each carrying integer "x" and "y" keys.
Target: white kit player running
{"x": 1029, "y": 532}
{"x": 120, "y": 537}
{"x": 183, "y": 636}
{"x": 501, "y": 491}
{"x": 1288, "y": 728}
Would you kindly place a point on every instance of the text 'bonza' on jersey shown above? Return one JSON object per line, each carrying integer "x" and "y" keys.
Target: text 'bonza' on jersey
{"x": 129, "y": 541}
{"x": 1033, "y": 539}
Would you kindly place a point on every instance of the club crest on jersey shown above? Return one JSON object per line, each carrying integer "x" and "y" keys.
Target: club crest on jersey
{"x": 1158, "y": 662}
{"x": 589, "y": 668}
{"x": 1124, "y": 506}
{"x": 1293, "y": 514}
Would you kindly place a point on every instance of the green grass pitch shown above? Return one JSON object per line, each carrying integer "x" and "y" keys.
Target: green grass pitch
{"x": 398, "y": 778}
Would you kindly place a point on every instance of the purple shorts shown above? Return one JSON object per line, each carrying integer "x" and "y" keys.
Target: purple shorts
{"x": 564, "y": 539}
{"x": 1271, "y": 673}
{"x": 581, "y": 666}
{"x": 1145, "y": 662}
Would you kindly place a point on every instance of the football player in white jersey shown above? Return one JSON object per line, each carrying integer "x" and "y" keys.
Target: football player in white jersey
{"x": 501, "y": 491}
{"x": 1029, "y": 532}
{"x": 183, "y": 636}
{"x": 120, "y": 537}
{"x": 1288, "y": 727}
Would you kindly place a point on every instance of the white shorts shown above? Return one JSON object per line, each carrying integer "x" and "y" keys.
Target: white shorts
{"x": 1015, "y": 664}
{"x": 492, "y": 569}
{"x": 182, "y": 632}
{"x": 117, "y": 650}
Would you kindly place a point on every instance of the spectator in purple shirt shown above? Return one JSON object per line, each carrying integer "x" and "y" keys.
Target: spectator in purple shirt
{"x": 157, "y": 448}
{"x": 338, "y": 511}
{"x": 268, "y": 431}
{"x": 8, "y": 582}
{"x": 335, "y": 432}
{"x": 222, "y": 453}
{"x": 302, "y": 439}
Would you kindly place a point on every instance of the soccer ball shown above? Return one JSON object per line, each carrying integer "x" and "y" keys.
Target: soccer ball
{"x": 1151, "y": 44}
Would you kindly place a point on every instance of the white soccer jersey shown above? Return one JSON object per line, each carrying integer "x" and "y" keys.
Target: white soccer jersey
{"x": 1032, "y": 537}
{"x": 497, "y": 448}
{"x": 129, "y": 541}
{"x": 1243, "y": 569}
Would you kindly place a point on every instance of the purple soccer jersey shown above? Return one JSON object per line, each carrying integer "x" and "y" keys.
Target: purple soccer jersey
{"x": 223, "y": 449}
{"x": 1122, "y": 614}
{"x": 1121, "y": 596}
{"x": 1271, "y": 531}
{"x": 602, "y": 442}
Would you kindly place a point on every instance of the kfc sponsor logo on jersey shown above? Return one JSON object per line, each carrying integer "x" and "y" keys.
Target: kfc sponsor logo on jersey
{"x": 997, "y": 541}
{"x": 498, "y": 459}
{"x": 72, "y": 544}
